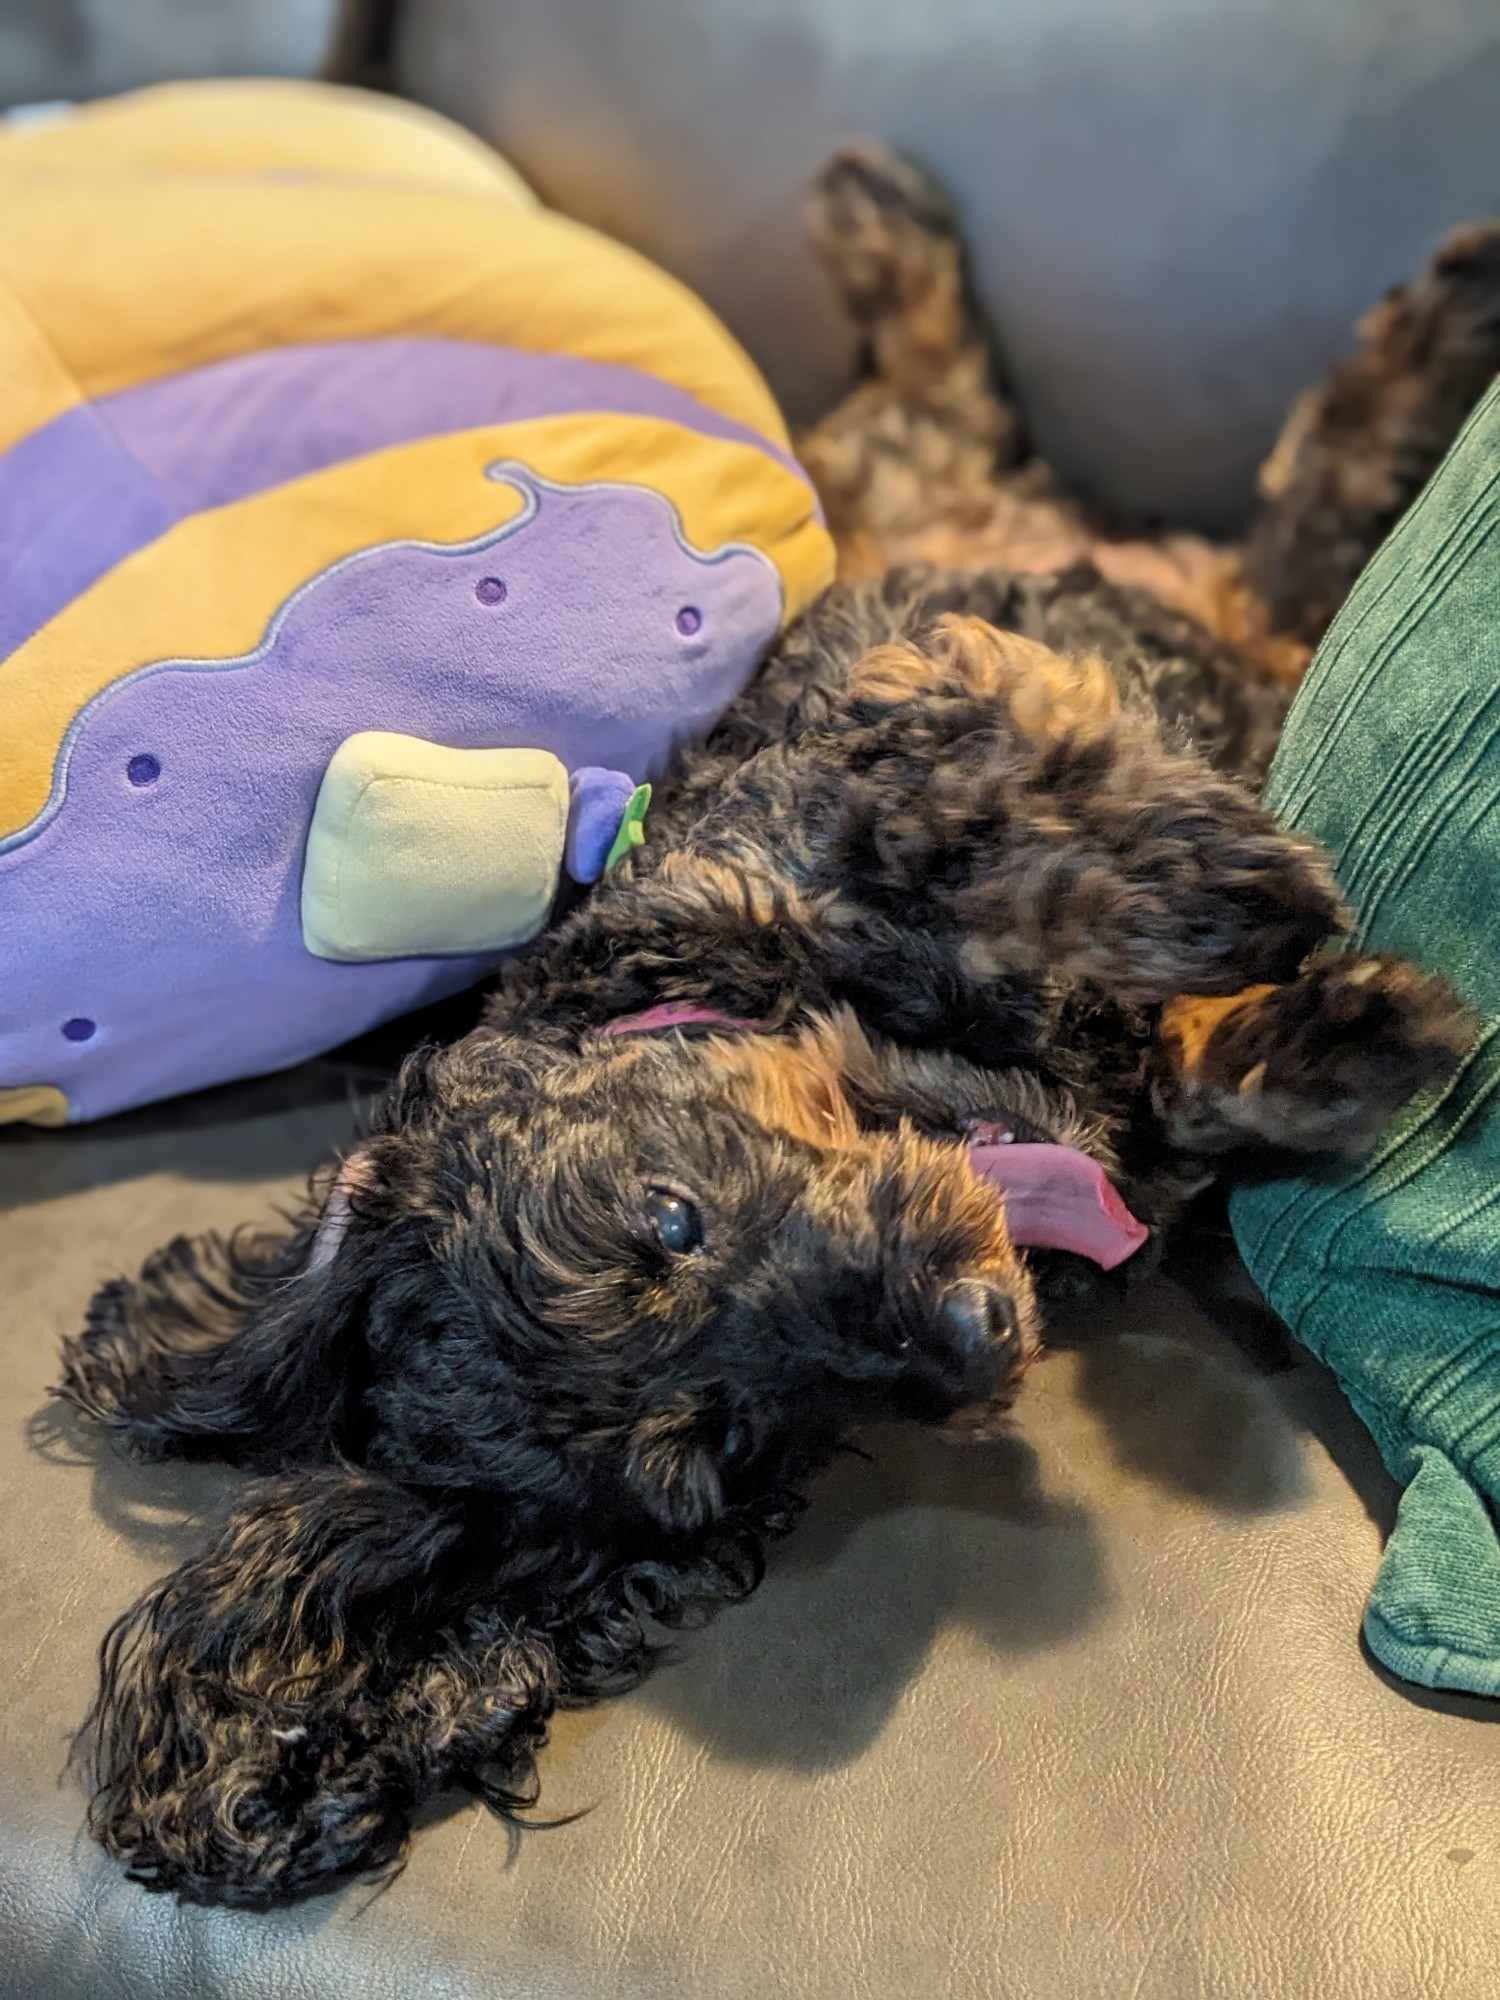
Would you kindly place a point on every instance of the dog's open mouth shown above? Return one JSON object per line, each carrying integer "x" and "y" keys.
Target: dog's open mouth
{"x": 1056, "y": 1197}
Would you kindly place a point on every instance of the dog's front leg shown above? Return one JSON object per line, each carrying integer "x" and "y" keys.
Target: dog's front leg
{"x": 1320, "y": 1064}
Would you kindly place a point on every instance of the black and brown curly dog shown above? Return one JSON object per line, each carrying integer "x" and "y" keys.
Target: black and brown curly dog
{"x": 566, "y": 1337}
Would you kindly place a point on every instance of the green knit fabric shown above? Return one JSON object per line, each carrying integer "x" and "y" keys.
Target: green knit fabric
{"x": 1390, "y": 1270}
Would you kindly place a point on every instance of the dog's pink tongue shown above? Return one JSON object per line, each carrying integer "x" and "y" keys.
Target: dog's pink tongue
{"x": 1057, "y": 1198}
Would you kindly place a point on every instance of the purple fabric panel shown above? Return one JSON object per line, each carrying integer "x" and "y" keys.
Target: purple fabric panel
{"x": 236, "y": 427}
{"x": 168, "y": 911}
{"x": 95, "y": 484}
{"x": 73, "y": 502}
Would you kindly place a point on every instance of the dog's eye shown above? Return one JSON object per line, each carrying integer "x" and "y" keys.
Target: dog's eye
{"x": 678, "y": 1225}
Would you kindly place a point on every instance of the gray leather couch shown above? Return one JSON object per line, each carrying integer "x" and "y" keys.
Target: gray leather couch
{"x": 88, "y": 48}
{"x": 1082, "y": 1718}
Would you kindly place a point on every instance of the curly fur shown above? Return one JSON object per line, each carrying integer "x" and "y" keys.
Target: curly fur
{"x": 508, "y": 1430}
{"x": 508, "y": 1424}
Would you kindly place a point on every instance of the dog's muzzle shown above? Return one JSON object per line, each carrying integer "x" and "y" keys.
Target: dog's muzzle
{"x": 978, "y": 1328}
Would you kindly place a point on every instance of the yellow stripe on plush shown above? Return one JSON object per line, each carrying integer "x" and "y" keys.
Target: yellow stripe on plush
{"x": 33, "y": 1104}
{"x": 97, "y": 258}
{"x": 269, "y": 125}
{"x": 34, "y": 384}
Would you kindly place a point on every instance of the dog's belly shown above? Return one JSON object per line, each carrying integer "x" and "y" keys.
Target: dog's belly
{"x": 1043, "y": 535}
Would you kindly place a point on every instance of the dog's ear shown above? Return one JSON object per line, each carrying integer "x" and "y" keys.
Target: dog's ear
{"x": 673, "y": 1466}
{"x": 270, "y": 1714}
{"x": 240, "y": 1348}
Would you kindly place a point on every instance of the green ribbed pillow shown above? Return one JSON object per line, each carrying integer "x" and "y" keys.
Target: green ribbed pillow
{"x": 1390, "y": 1270}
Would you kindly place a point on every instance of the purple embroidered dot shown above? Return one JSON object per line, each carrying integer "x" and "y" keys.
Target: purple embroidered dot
{"x": 143, "y": 770}
{"x": 80, "y": 1028}
{"x": 689, "y": 620}
{"x": 490, "y": 590}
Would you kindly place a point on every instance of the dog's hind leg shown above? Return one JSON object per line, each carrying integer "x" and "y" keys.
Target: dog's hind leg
{"x": 1319, "y": 1064}
{"x": 1357, "y": 449}
{"x": 925, "y": 431}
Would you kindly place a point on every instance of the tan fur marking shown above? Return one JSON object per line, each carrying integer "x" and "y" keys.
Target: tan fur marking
{"x": 621, "y": 1052}
{"x": 895, "y": 674}
{"x": 1191, "y": 1021}
{"x": 736, "y": 889}
{"x": 1049, "y": 697}
{"x": 1276, "y": 475}
{"x": 787, "y": 1086}
{"x": 842, "y": 1044}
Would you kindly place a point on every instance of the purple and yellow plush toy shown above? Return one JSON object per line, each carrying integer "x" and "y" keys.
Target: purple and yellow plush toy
{"x": 368, "y": 536}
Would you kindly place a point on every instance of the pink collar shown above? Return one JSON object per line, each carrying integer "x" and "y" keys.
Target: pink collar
{"x": 674, "y": 1014}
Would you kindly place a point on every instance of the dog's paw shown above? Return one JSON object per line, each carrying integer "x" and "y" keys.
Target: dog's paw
{"x": 1323, "y": 1062}
{"x": 1361, "y": 1034}
{"x": 873, "y": 218}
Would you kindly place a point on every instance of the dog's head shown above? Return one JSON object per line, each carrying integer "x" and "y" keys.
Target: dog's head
{"x": 649, "y": 1274}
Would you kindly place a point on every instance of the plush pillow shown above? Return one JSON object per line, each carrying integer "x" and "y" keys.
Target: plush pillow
{"x": 1390, "y": 1270}
{"x": 332, "y": 467}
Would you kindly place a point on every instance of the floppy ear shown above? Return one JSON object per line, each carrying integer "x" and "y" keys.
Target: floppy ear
{"x": 269, "y": 1715}
{"x": 673, "y": 1468}
{"x": 237, "y": 1348}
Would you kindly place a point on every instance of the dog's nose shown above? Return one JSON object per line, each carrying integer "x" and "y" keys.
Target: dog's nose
{"x": 981, "y": 1322}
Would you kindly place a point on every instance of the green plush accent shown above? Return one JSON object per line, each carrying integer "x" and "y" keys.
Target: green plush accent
{"x": 632, "y": 827}
{"x": 1389, "y": 1270}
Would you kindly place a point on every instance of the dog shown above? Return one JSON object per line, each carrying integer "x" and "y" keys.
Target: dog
{"x": 563, "y": 1341}
{"x": 580, "y": 1318}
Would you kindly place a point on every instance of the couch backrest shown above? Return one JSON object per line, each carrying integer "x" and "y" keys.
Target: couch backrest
{"x": 1178, "y": 207}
